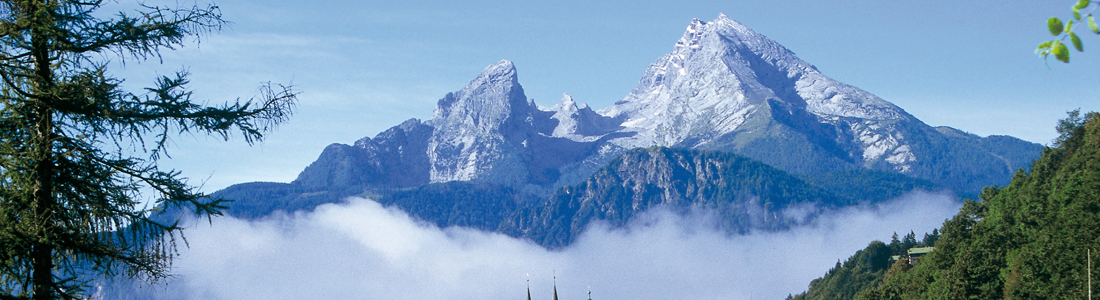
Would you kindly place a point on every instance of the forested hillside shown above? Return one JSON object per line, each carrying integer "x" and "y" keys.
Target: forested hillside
{"x": 745, "y": 194}
{"x": 1028, "y": 240}
{"x": 866, "y": 269}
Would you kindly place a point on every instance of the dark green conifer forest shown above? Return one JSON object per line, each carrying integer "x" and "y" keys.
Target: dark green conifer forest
{"x": 1027, "y": 240}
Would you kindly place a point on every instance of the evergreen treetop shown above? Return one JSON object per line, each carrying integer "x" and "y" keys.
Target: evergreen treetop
{"x": 77, "y": 151}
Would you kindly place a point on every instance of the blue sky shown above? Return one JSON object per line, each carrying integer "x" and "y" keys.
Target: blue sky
{"x": 364, "y": 66}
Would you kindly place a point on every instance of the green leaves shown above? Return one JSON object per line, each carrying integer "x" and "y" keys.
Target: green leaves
{"x": 1056, "y": 47}
{"x": 1063, "y": 30}
{"x": 1044, "y": 48}
{"x": 1081, "y": 5}
{"x": 1055, "y": 26}
{"x": 1092, "y": 25}
{"x": 1076, "y": 42}
{"x": 1077, "y": 8}
{"x": 1060, "y": 51}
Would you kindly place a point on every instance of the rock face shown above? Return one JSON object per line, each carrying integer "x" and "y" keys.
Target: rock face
{"x": 489, "y": 131}
{"x": 394, "y": 158}
{"x": 724, "y": 87}
{"x": 486, "y": 132}
{"x": 481, "y": 130}
{"x": 727, "y": 87}
{"x": 742, "y": 194}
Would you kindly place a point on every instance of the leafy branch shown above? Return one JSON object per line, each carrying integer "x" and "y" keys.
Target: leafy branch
{"x": 1064, "y": 30}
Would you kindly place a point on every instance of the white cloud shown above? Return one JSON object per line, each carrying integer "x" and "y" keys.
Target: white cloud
{"x": 361, "y": 250}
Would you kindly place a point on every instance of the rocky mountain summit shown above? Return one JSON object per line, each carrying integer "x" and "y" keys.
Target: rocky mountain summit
{"x": 724, "y": 87}
{"x": 487, "y": 132}
{"x": 730, "y": 122}
{"x": 730, "y": 125}
{"x": 724, "y": 80}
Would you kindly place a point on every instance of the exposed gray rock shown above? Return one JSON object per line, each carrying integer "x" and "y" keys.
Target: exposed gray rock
{"x": 579, "y": 123}
{"x": 394, "y": 158}
{"x": 724, "y": 87}
{"x": 477, "y": 130}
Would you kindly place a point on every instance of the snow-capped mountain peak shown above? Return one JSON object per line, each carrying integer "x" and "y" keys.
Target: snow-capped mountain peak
{"x": 723, "y": 87}
{"x": 721, "y": 74}
{"x": 579, "y": 122}
{"x": 567, "y": 104}
{"x": 707, "y": 86}
{"x": 472, "y": 126}
{"x": 488, "y": 99}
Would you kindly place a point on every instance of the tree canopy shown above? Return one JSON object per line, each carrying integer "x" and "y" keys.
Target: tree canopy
{"x": 78, "y": 153}
{"x": 1027, "y": 240}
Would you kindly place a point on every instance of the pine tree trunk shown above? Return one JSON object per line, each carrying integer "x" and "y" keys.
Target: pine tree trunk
{"x": 42, "y": 141}
{"x": 42, "y": 253}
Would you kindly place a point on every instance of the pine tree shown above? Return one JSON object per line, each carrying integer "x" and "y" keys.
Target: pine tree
{"x": 77, "y": 151}
{"x": 909, "y": 241}
{"x": 895, "y": 244}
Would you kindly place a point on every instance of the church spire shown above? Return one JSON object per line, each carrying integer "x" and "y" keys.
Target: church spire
{"x": 555, "y": 287}
{"x": 528, "y": 286}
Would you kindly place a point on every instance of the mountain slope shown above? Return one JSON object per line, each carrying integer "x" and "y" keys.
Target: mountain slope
{"x": 1023, "y": 241}
{"x": 486, "y": 132}
{"x": 744, "y": 193}
{"x": 723, "y": 88}
{"x": 727, "y": 87}
{"x": 719, "y": 74}
{"x": 1027, "y": 240}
